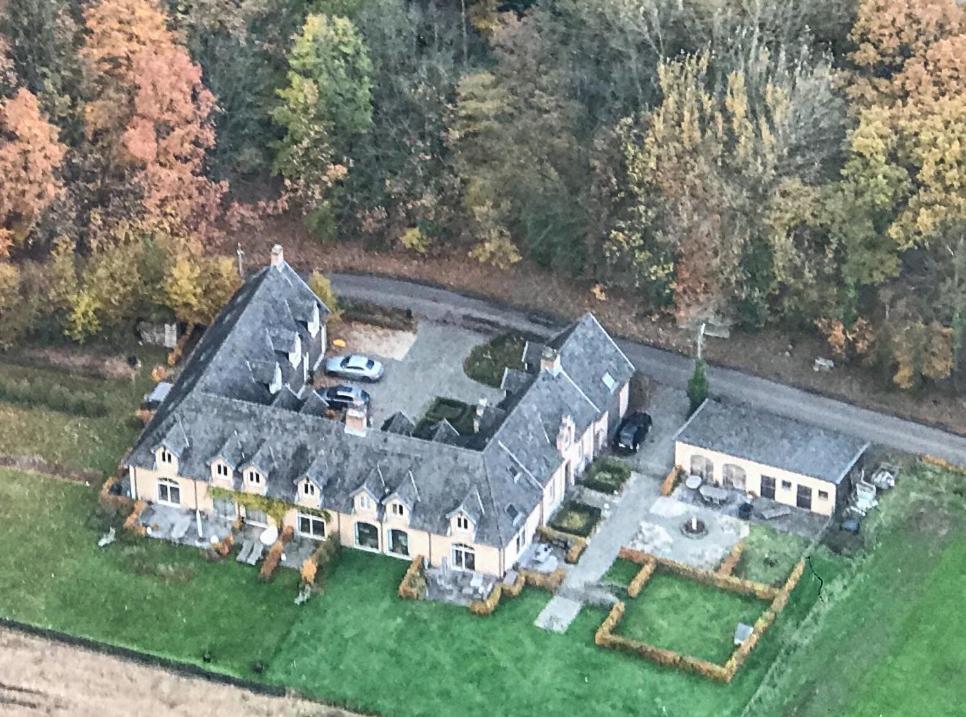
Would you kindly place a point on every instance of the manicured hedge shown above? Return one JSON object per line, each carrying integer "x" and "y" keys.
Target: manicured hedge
{"x": 52, "y": 396}
{"x": 413, "y": 584}
{"x": 606, "y": 475}
{"x": 590, "y": 515}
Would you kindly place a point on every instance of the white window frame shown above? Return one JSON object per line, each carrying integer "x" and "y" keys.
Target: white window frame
{"x": 313, "y": 521}
{"x": 462, "y": 522}
{"x": 308, "y": 488}
{"x": 222, "y": 470}
{"x": 398, "y": 510}
{"x": 463, "y": 550}
{"x": 168, "y": 484}
{"x": 521, "y": 540}
{"x": 260, "y": 524}
{"x": 389, "y": 543}
{"x": 253, "y": 476}
{"x": 363, "y": 502}
{"x": 165, "y": 456}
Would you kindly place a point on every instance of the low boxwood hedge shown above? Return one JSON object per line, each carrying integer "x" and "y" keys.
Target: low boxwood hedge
{"x": 606, "y": 475}
{"x": 576, "y": 518}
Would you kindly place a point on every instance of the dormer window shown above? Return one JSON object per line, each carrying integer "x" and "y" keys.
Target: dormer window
{"x": 462, "y": 522}
{"x": 315, "y": 320}
{"x": 222, "y": 470}
{"x": 166, "y": 456}
{"x": 254, "y": 477}
{"x": 398, "y": 509}
{"x": 363, "y": 502}
{"x": 308, "y": 489}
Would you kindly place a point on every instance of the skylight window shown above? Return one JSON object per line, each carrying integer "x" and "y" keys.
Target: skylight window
{"x": 609, "y": 381}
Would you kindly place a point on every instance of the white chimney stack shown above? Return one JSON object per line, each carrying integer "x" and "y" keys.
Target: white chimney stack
{"x": 278, "y": 256}
{"x": 356, "y": 419}
{"x": 550, "y": 361}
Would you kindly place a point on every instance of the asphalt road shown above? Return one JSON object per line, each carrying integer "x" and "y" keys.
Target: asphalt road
{"x": 666, "y": 366}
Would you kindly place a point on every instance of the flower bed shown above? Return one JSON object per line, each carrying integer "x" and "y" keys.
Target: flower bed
{"x": 573, "y": 544}
{"x": 606, "y": 475}
{"x": 576, "y": 519}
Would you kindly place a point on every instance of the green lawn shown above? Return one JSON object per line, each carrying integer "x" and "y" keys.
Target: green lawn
{"x": 356, "y": 644}
{"x": 621, "y": 572}
{"x": 892, "y": 641}
{"x": 487, "y": 361}
{"x": 76, "y": 442}
{"x": 679, "y": 614}
{"x": 139, "y": 593}
{"x": 769, "y": 555}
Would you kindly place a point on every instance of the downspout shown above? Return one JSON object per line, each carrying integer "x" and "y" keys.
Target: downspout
{"x": 197, "y": 513}
{"x": 430, "y": 551}
{"x": 133, "y": 475}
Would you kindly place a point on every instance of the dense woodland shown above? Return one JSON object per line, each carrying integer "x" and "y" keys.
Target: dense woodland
{"x": 787, "y": 162}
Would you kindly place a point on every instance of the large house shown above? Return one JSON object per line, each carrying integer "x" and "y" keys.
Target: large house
{"x": 768, "y": 455}
{"x": 243, "y": 418}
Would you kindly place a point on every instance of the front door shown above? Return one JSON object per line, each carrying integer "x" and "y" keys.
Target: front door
{"x": 768, "y": 487}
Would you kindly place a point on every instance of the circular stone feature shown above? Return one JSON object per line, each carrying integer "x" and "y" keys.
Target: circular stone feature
{"x": 694, "y": 527}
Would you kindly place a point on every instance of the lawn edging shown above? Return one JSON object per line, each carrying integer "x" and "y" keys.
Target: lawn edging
{"x": 605, "y": 636}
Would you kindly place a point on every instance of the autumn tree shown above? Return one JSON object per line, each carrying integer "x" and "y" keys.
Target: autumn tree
{"x": 326, "y": 106}
{"x": 30, "y": 159}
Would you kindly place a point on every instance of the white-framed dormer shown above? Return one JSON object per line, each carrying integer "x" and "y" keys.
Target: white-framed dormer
{"x": 308, "y": 493}
{"x": 276, "y": 385}
{"x": 397, "y": 511}
{"x": 363, "y": 501}
{"x": 295, "y": 353}
{"x": 254, "y": 480}
{"x": 166, "y": 460}
{"x": 461, "y": 525}
{"x": 222, "y": 473}
{"x": 315, "y": 320}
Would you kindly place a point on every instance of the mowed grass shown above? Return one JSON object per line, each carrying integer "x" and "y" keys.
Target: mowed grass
{"x": 138, "y": 593}
{"x": 890, "y": 640}
{"x": 76, "y": 442}
{"x": 679, "y": 614}
{"x": 769, "y": 555}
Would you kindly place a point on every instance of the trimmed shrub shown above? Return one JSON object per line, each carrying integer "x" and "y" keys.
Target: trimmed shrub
{"x": 131, "y": 522}
{"x": 638, "y": 582}
{"x": 606, "y": 475}
{"x": 512, "y": 590}
{"x": 110, "y": 501}
{"x": 385, "y": 316}
{"x": 488, "y": 605}
{"x": 316, "y": 568}
{"x": 573, "y": 544}
{"x": 545, "y": 581}
{"x": 413, "y": 585}
{"x": 706, "y": 577}
{"x": 667, "y": 487}
{"x": 732, "y": 559}
{"x": 274, "y": 557}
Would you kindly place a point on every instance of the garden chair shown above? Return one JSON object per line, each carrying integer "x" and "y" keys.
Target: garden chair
{"x": 245, "y": 551}
{"x": 256, "y": 555}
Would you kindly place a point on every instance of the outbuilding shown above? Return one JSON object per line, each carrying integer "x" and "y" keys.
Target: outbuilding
{"x": 768, "y": 455}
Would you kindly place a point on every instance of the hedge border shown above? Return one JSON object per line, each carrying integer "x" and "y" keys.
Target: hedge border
{"x": 731, "y": 560}
{"x": 671, "y": 480}
{"x": 575, "y": 544}
{"x": 500, "y": 593}
{"x": 274, "y": 557}
{"x": 606, "y": 637}
{"x": 544, "y": 581}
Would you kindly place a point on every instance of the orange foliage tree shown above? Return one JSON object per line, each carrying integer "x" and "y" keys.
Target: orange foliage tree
{"x": 30, "y": 158}
{"x": 148, "y": 118}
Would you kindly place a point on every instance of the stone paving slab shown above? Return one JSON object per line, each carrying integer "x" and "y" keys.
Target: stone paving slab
{"x": 558, "y": 614}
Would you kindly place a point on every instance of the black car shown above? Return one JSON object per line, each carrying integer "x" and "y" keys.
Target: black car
{"x": 342, "y": 396}
{"x": 632, "y": 432}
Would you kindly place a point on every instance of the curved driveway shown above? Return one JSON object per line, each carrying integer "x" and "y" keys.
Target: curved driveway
{"x": 665, "y": 366}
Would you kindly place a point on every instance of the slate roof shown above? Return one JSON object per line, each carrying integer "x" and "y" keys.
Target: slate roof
{"x": 772, "y": 440}
{"x": 217, "y": 408}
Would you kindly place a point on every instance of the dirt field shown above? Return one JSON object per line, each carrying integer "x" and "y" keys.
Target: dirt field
{"x": 770, "y": 354}
{"x": 42, "y": 677}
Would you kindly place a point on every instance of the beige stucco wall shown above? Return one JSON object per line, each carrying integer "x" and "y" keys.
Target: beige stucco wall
{"x": 683, "y": 453}
{"x": 194, "y": 494}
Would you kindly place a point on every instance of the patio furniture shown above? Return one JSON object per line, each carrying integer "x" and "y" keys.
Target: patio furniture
{"x": 268, "y": 536}
{"x": 550, "y": 564}
{"x": 714, "y": 495}
{"x": 744, "y": 510}
{"x": 246, "y": 550}
{"x": 776, "y": 512}
{"x": 257, "y": 551}
{"x": 476, "y": 582}
{"x": 107, "y": 538}
{"x": 693, "y": 481}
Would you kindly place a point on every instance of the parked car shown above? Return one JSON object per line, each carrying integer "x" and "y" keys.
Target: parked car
{"x": 632, "y": 432}
{"x": 340, "y": 397}
{"x": 354, "y": 366}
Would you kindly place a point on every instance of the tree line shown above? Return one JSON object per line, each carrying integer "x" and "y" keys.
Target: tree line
{"x": 773, "y": 162}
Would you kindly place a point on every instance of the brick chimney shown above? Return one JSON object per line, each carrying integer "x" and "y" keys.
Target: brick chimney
{"x": 550, "y": 360}
{"x": 278, "y": 256}
{"x": 356, "y": 419}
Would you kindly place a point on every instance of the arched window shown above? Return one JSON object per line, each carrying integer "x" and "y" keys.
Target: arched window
{"x": 464, "y": 557}
{"x": 367, "y": 536}
{"x": 702, "y": 466}
{"x": 169, "y": 491}
{"x": 734, "y": 476}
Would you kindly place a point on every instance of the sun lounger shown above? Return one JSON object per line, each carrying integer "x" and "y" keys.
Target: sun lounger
{"x": 245, "y": 551}
{"x": 256, "y": 554}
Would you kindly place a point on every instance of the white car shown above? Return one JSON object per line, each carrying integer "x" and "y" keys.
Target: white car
{"x": 355, "y": 366}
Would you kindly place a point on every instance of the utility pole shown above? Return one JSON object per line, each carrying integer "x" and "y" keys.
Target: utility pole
{"x": 241, "y": 256}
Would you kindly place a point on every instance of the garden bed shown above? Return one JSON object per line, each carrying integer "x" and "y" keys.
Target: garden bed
{"x": 606, "y": 475}
{"x": 487, "y": 362}
{"x": 575, "y": 518}
{"x": 460, "y": 415}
